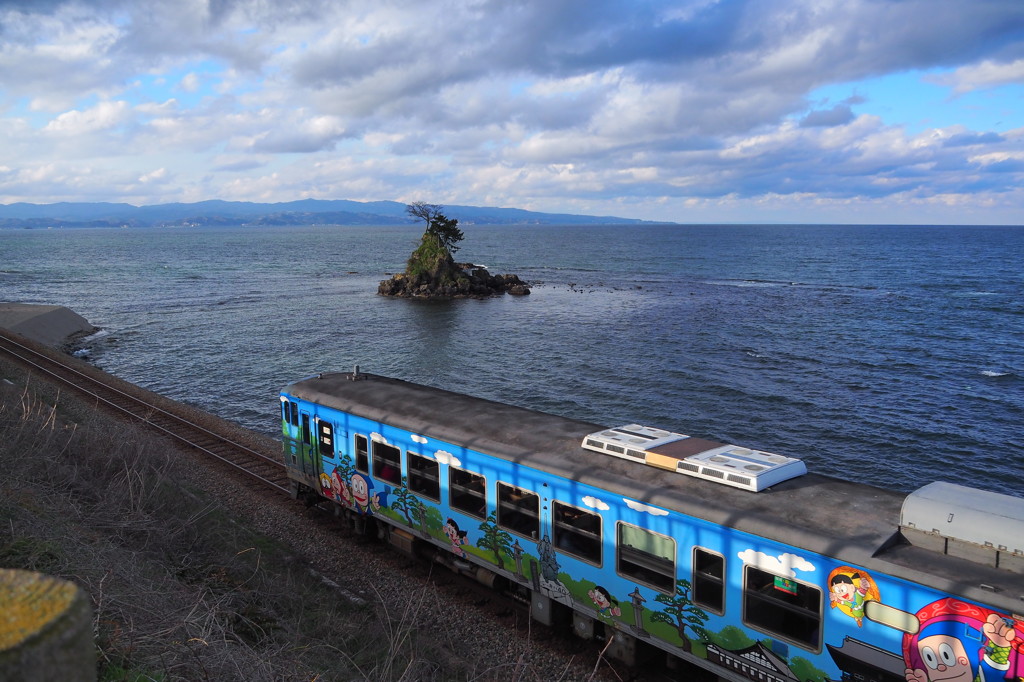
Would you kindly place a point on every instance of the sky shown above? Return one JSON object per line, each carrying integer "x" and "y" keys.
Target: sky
{"x": 692, "y": 111}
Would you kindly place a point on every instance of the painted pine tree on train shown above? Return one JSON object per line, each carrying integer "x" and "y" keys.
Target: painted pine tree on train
{"x": 494, "y": 539}
{"x": 680, "y": 612}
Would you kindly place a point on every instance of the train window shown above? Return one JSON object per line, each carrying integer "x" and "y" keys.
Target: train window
{"x": 387, "y": 463}
{"x": 782, "y": 607}
{"x": 362, "y": 454}
{"x": 577, "y": 532}
{"x": 326, "y": 438}
{"x": 709, "y": 580}
{"x": 424, "y": 476}
{"x": 307, "y": 437}
{"x": 466, "y": 492}
{"x": 285, "y": 411}
{"x": 646, "y": 557}
{"x": 518, "y": 510}
{"x": 295, "y": 414}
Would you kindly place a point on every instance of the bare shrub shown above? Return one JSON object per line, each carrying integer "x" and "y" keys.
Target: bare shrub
{"x": 180, "y": 591}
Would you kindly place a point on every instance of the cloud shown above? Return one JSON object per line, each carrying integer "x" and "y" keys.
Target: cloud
{"x": 378, "y": 438}
{"x": 298, "y": 136}
{"x": 416, "y": 438}
{"x": 971, "y": 139}
{"x": 447, "y": 458}
{"x": 644, "y": 508}
{"x": 103, "y": 116}
{"x": 238, "y": 163}
{"x": 672, "y": 109}
{"x": 784, "y": 564}
{"x": 987, "y": 74}
{"x": 595, "y": 503}
{"x": 190, "y": 82}
{"x": 159, "y": 175}
{"x": 840, "y": 114}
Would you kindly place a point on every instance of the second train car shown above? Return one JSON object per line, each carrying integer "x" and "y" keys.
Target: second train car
{"x": 732, "y": 559}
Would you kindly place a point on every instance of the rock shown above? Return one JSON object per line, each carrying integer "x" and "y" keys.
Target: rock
{"x": 45, "y": 629}
{"x": 465, "y": 280}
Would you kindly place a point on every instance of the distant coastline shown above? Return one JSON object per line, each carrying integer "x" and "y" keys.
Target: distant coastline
{"x": 302, "y": 212}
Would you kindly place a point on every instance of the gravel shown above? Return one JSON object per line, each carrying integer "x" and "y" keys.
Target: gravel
{"x": 490, "y": 648}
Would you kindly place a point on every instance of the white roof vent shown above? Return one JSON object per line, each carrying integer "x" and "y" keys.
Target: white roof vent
{"x": 727, "y": 464}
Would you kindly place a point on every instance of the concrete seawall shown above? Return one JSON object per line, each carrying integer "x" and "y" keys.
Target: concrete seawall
{"x": 50, "y": 325}
{"x": 45, "y": 629}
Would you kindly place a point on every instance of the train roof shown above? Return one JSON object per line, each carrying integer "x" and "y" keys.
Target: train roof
{"x": 851, "y": 522}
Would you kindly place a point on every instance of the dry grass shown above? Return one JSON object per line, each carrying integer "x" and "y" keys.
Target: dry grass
{"x": 180, "y": 590}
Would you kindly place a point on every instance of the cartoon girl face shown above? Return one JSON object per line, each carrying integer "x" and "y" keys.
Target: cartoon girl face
{"x": 360, "y": 491}
{"x": 946, "y": 659}
{"x": 325, "y": 485}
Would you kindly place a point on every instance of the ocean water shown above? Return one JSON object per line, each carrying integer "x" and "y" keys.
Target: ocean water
{"x": 890, "y": 355}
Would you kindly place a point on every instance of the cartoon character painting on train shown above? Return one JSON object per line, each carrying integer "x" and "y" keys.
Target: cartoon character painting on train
{"x": 456, "y": 538}
{"x": 340, "y": 489}
{"x": 337, "y": 484}
{"x": 365, "y": 500}
{"x": 848, "y": 589}
{"x": 326, "y": 487}
{"x": 607, "y": 605}
{"x": 961, "y": 642}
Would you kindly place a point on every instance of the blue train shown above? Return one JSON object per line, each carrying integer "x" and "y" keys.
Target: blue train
{"x": 732, "y": 559}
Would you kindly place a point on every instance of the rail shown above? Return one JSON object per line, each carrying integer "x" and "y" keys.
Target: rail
{"x": 252, "y": 463}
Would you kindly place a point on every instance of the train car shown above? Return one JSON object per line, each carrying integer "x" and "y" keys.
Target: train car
{"x": 732, "y": 559}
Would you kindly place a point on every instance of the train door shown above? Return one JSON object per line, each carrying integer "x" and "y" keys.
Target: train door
{"x": 310, "y": 461}
{"x": 325, "y": 440}
{"x": 290, "y": 433}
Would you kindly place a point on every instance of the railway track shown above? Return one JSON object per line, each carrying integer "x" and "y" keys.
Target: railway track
{"x": 256, "y": 466}
{"x": 268, "y": 472}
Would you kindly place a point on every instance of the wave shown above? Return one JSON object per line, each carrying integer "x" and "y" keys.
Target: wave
{"x": 556, "y": 268}
{"x": 95, "y": 336}
{"x": 828, "y": 287}
{"x": 994, "y": 374}
{"x": 751, "y": 283}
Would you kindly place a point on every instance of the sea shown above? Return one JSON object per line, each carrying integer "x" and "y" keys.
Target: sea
{"x": 890, "y": 355}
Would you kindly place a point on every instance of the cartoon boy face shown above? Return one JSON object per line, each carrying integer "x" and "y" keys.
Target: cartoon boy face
{"x": 946, "y": 659}
{"x": 843, "y": 591}
{"x": 597, "y": 596}
{"x": 360, "y": 492}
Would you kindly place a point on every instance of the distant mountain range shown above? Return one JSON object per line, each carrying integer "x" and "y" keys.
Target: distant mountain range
{"x": 303, "y": 212}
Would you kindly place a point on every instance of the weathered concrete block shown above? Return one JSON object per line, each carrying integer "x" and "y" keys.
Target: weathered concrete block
{"x": 45, "y": 629}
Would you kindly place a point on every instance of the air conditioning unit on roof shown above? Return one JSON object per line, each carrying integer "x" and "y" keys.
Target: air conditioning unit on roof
{"x": 730, "y": 465}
